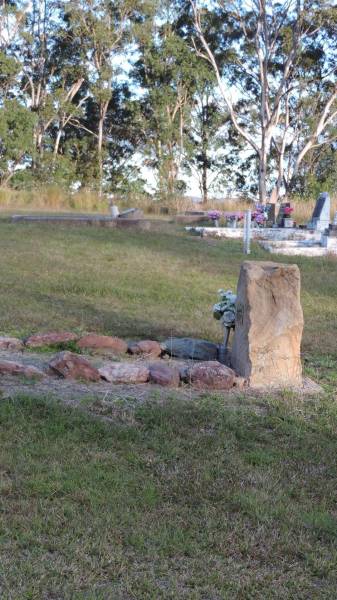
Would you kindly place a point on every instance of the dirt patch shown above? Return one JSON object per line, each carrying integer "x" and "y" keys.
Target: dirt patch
{"x": 99, "y": 397}
{"x": 116, "y": 402}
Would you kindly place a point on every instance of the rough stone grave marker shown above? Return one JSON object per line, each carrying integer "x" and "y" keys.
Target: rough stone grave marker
{"x": 269, "y": 324}
{"x": 321, "y": 216}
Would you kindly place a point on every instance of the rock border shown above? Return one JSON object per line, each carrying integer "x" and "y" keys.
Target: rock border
{"x": 201, "y": 375}
{"x": 68, "y": 364}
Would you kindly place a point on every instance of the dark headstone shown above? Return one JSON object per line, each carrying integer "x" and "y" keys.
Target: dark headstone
{"x": 271, "y": 214}
{"x": 321, "y": 215}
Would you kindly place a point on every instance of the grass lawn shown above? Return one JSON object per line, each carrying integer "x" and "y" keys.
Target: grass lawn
{"x": 195, "y": 500}
{"x": 204, "y": 499}
{"x": 139, "y": 284}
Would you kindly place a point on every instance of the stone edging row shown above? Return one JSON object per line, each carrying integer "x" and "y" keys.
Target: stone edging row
{"x": 204, "y": 374}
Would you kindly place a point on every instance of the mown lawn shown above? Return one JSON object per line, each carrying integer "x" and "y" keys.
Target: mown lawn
{"x": 195, "y": 500}
{"x": 139, "y": 284}
{"x": 209, "y": 498}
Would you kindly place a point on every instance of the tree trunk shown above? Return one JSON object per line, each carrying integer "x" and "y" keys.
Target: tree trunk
{"x": 99, "y": 153}
{"x": 102, "y": 114}
{"x": 263, "y": 176}
{"x": 204, "y": 173}
{"x": 204, "y": 185}
{"x": 57, "y": 144}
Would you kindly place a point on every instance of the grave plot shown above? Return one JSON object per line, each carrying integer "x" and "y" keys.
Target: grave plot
{"x": 318, "y": 238}
{"x": 128, "y": 219}
{"x": 267, "y": 320}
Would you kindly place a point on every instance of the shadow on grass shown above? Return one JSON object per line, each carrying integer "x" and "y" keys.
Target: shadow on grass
{"x": 108, "y": 322}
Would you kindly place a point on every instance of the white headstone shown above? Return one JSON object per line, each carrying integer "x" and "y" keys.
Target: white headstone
{"x": 114, "y": 211}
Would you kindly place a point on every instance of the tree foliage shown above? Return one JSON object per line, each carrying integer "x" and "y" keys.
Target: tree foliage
{"x": 102, "y": 92}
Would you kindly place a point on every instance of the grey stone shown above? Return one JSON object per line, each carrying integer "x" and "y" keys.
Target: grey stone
{"x": 191, "y": 348}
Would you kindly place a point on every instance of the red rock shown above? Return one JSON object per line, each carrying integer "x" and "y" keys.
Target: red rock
{"x": 8, "y": 367}
{"x": 9, "y": 343}
{"x": 48, "y": 339}
{"x": 125, "y": 373}
{"x": 73, "y": 366}
{"x": 211, "y": 375}
{"x": 33, "y": 372}
{"x": 92, "y": 341}
{"x": 164, "y": 375}
{"x": 149, "y": 347}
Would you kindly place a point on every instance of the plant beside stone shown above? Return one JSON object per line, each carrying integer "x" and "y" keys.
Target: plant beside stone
{"x": 225, "y": 311}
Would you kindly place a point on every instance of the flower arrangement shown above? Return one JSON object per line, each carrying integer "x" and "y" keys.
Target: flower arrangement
{"x": 235, "y": 217}
{"x": 287, "y": 211}
{"x": 260, "y": 215}
{"x": 214, "y": 215}
{"x": 224, "y": 310}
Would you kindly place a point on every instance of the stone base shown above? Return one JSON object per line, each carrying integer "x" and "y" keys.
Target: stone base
{"x": 258, "y": 233}
{"x": 306, "y": 387}
{"x": 96, "y": 220}
{"x": 327, "y": 246}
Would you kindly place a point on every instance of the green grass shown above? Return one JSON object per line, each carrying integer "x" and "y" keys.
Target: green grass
{"x": 189, "y": 500}
{"x": 138, "y": 284}
{"x": 206, "y": 499}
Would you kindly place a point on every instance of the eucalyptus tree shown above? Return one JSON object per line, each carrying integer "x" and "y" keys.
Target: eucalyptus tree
{"x": 277, "y": 105}
{"x": 37, "y": 69}
{"x": 208, "y": 141}
{"x": 104, "y": 30}
{"x": 17, "y": 123}
{"x": 165, "y": 73}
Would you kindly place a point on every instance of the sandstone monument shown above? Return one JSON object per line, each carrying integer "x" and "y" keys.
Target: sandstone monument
{"x": 269, "y": 324}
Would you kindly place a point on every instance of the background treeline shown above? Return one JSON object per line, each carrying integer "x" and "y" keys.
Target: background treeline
{"x": 238, "y": 96}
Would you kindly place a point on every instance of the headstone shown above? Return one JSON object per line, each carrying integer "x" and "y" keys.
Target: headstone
{"x": 114, "y": 211}
{"x": 271, "y": 214}
{"x": 321, "y": 216}
{"x": 269, "y": 324}
{"x": 247, "y": 231}
{"x": 281, "y": 213}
